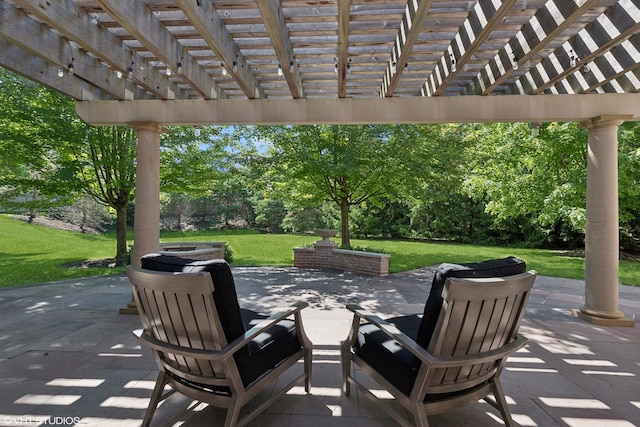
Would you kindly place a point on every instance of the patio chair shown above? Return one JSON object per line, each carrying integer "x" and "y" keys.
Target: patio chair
{"x": 205, "y": 346}
{"x": 457, "y": 359}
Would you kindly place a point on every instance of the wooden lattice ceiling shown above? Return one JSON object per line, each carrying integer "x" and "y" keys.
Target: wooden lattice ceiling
{"x": 242, "y": 49}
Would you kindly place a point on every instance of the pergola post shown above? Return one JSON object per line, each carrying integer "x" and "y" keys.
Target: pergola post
{"x": 146, "y": 225}
{"x": 602, "y": 242}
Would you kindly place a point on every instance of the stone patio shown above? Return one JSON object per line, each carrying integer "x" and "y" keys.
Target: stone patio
{"x": 68, "y": 358}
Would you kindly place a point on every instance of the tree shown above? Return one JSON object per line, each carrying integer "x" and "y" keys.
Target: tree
{"x": 109, "y": 175}
{"x": 435, "y": 197}
{"x": 531, "y": 181}
{"x": 55, "y": 158}
{"x": 629, "y": 186}
{"x": 175, "y": 207}
{"x": 193, "y": 160}
{"x": 232, "y": 199}
{"x": 37, "y": 128}
{"x": 346, "y": 165}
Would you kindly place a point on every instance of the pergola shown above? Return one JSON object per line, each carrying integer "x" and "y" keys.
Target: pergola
{"x": 149, "y": 63}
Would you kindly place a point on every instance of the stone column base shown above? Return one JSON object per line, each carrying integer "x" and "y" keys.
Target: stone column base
{"x": 601, "y": 321}
{"x": 130, "y": 308}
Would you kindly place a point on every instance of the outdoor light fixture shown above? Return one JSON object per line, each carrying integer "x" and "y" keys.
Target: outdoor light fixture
{"x": 130, "y": 69}
{"x": 70, "y": 65}
{"x": 453, "y": 63}
{"x": 60, "y": 72}
{"x": 119, "y": 74}
{"x": 291, "y": 67}
{"x": 223, "y": 70}
{"x": 349, "y": 66}
{"x": 235, "y": 65}
{"x": 393, "y": 67}
{"x": 279, "y": 70}
{"x": 168, "y": 72}
{"x": 515, "y": 62}
{"x": 574, "y": 59}
{"x": 179, "y": 67}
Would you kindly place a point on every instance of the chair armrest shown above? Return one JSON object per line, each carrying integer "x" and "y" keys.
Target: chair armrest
{"x": 265, "y": 324}
{"x": 486, "y": 356}
{"x": 162, "y": 346}
{"x": 393, "y": 332}
{"x": 229, "y": 350}
{"x": 426, "y": 357}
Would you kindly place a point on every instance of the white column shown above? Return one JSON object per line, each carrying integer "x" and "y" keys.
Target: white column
{"x": 146, "y": 225}
{"x": 602, "y": 243}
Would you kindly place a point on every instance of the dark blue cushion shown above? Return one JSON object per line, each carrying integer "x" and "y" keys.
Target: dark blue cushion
{"x": 266, "y": 350}
{"x": 386, "y": 356}
{"x": 492, "y": 268}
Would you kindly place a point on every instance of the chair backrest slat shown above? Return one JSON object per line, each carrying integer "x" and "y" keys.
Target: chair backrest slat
{"x": 168, "y": 324}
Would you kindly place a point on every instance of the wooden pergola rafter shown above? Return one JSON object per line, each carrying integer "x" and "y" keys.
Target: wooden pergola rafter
{"x": 608, "y": 33}
{"x": 220, "y": 41}
{"x": 194, "y": 49}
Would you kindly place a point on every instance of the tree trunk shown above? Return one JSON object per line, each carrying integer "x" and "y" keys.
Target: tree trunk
{"x": 121, "y": 235}
{"x": 344, "y": 220}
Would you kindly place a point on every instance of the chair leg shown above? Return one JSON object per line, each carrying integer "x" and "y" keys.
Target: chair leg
{"x": 233, "y": 413}
{"x": 156, "y": 397}
{"x": 500, "y": 403}
{"x": 345, "y": 356}
{"x": 420, "y": 416}
{"x": 308, "y": 368}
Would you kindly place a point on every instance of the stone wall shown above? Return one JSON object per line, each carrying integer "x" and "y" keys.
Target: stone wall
{"x": 325, "y": 254}
{"x": 362, "y": 262}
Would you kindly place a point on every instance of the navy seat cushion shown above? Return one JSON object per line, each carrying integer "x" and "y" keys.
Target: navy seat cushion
{"x": 263, "y": 352}
{"x": 266, "y": 350}
{"x": 393, "y": 361}
{"x": 491, "y": 268}
{"x": 386, "y": 356}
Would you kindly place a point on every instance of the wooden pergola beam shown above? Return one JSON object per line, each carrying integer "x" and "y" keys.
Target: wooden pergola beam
{"x": 458, "y": 109}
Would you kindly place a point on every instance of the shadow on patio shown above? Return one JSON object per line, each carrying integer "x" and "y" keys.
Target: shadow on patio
{"x": 68, "y": 358}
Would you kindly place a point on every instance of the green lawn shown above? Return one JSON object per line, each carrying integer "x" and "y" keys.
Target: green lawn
{"x": 35, "y": 254}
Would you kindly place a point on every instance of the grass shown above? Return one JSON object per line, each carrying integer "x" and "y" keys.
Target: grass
{"x": 33, "y": 254}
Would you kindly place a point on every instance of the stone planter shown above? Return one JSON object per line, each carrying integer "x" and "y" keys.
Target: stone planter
{"x": 194, "y": 250}
{"x": 325, "y": 254}
{"x": 326, "y": 234}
